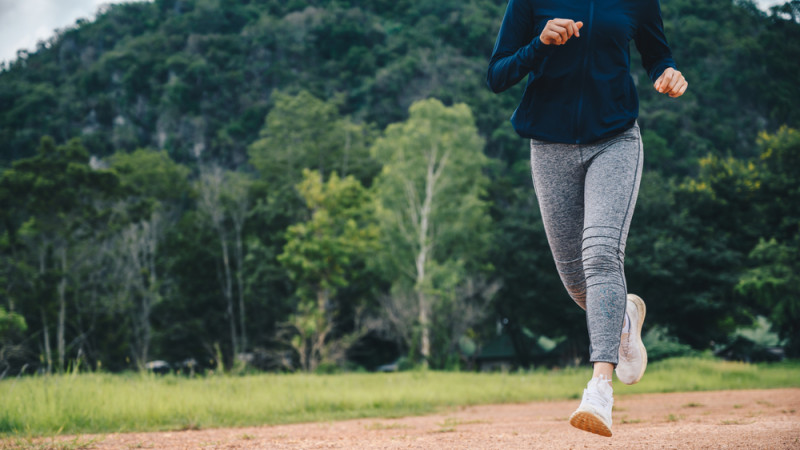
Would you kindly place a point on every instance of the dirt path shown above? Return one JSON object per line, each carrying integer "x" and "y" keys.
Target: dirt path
{"x": 768, "y": 419}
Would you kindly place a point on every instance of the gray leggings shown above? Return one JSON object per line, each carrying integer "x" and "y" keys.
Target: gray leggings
{"x": 586, "y": 195}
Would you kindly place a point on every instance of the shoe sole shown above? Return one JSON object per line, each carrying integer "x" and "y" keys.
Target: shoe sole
{"x": 642, "y": 310}
{"x": 586, "y": 421}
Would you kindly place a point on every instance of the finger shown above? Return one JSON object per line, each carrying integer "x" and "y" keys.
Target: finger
{"x": 553, "y": 37}
{"x": 657, "y": 84}
{"x": 571, "y": 28}
{"x": 681, "y": 89}
{"x": 659, "y": 80}
{"x": 567, "y": 25}
{"x": 563, "y": 22}
{"x": 563, "y": 32}
{"x": 676, "y": 78}
{"x": 666, "y": 78}
{"x": 677, "y": 86}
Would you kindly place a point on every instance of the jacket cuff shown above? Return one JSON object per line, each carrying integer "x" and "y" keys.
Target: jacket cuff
{"x": 536, "y": 52}
{"x": 660, "y": 68}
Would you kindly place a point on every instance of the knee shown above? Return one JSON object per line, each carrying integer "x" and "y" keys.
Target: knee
{"x": 602, "y": 260}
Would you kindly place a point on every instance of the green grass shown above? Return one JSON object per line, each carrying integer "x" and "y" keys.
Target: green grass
{"x": 101, "y": 403}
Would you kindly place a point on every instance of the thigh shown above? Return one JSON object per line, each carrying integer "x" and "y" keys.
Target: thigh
{"x": 612, "y": 185}
{"x": 558, "y": 178}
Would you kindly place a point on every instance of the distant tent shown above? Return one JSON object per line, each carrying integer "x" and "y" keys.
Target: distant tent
{"x": 500, "y": 353}
{"x": 497, "y": 354}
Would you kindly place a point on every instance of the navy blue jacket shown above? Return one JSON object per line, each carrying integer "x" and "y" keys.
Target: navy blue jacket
{"x": 581, "y": 91}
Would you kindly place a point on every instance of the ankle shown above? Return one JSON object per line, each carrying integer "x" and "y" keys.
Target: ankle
{"x": 603, "y": 371}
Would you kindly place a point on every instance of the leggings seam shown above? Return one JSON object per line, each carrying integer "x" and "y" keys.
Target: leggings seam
{"x": 619, "y": 241}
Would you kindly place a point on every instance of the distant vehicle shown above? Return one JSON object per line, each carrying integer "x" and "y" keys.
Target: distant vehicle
{"x": 391, "y": 367}
{"x": 158, "y": 367}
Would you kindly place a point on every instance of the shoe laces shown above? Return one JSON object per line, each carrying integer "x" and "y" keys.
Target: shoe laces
{"x": 594, "y": 396}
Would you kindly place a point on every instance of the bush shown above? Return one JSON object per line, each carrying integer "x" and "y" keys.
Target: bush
{"x": 755, "y": 343}
{"x": 660, "y": 345}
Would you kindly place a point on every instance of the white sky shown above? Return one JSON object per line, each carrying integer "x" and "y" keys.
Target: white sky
{"x": 25, "y": 22}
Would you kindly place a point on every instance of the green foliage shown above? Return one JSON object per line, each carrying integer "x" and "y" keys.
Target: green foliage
{"x": 198, "y": 76}
{"x": 151, "y": 174}
{"x": 302, "y": 132}
{"x": 324, "y": 254}
{"x": 722, "y": 48}
{"x": 752, "y": 343}
{"x": 11, "y": 324}
{"x": 434, "y": 222}
{"x": 722, "y": 245}
{"x": 660, "y": 345}
{"x": 774, "y": 283}
{"x": 12, "y": 329}
{"x": 59, "y": 202}
{"x": 432, "y": 164}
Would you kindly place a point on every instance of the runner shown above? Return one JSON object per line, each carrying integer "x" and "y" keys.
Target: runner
{"x": 579, "y": 111}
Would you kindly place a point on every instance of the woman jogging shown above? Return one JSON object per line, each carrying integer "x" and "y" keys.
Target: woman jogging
{"x": 579, "y": 110}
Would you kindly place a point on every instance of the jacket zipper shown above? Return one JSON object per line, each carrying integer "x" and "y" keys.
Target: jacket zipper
{"x": 583, "y": 69}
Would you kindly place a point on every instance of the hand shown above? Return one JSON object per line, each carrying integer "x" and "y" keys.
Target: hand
{"x": 558, "y": 31}
{"x": 671, "y": 82}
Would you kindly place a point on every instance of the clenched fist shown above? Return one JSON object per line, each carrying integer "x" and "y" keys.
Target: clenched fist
{"x": 558, "y": 31}
{"x": 671, "y": 82}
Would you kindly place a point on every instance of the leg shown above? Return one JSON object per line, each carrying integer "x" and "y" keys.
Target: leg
{"x": 558, "y": 178}
{"x": 613, "y": 171}
{"x": 602, "y": 370}
{"x": 612, "y": 184}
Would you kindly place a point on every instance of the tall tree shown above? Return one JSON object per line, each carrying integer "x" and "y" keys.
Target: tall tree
{"x": 434, "y": 220}
{"x": 773, "y": 277}
{"x": 140, "y": 281}
{"x": 61, "y": 194}
{"x": 155, "y": 188}
{"x": 323, "y": 254}
{"x": 302, "y": 131}
{"x": 223, "y": 198}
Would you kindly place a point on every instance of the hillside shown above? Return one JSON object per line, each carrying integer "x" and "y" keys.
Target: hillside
{"x": 196, "y": 77}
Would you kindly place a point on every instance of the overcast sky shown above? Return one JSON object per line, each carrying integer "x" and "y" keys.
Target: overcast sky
{"x": 25, "y": 22}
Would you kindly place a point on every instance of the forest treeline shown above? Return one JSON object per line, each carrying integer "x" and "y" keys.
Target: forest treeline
{"x": 329, "y": 184}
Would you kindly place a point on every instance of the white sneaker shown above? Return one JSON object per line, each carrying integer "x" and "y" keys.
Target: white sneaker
{"x": 632, "y": 354}
{"x": 594, "y": 414}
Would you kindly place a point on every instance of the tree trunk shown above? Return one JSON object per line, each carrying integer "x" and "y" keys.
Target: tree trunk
{"x": 48, "y": 353}
{"x": 425, "y": 330}
{"x": 144, "y": 339}
{"x": 228, "y": 292}
{"x": 424, "y": 244}
{"x": 240, "y": 285}
{"x": 150, "y": 296}
{"x": 62, "y": 311}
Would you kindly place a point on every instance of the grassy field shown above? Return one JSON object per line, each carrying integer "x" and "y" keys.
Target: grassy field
{"x": 101, "y": 403}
